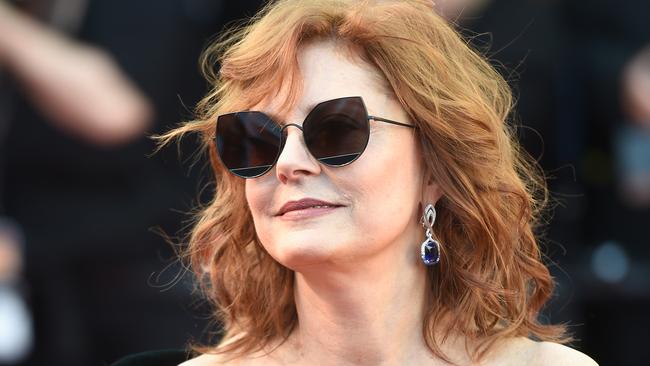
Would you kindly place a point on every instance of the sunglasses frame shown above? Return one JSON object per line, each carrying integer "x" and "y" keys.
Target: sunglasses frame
{"x": 285, "y": 126}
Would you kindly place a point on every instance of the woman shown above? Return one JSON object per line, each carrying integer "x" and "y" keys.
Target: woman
{"x": 371, "y": 204}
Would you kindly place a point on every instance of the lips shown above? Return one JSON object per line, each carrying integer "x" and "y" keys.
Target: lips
{"x": 304, "y": 204}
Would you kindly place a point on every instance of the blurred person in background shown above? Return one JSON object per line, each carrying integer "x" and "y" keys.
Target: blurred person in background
{"x": 83, "y": 82}
{"x": 82, "y": 92}
{"x": 16, "y": 332}
{"x": 76, "y": 86}
{"x": 633, "y": 142}
{"x": 16, "y": 329}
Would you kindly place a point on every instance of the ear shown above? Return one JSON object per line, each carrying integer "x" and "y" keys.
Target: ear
{"x": 431, "y": 191}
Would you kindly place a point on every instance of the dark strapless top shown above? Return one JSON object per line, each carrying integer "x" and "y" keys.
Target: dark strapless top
{"x": 170, "y": 357}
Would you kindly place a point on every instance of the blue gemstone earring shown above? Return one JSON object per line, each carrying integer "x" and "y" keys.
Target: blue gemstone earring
{"x": 430, "y": 250}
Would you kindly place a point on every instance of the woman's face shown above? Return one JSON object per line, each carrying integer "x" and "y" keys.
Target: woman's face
{"x": 378, "y": 194}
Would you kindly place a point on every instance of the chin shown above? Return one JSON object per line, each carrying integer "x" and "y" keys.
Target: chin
{"x": 298, "y": 251}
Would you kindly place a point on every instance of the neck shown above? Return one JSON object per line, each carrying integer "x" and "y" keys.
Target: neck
{"x": 362, "y": 313}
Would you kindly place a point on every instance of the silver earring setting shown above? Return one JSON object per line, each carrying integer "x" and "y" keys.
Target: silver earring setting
{"x": 430, "y": 250}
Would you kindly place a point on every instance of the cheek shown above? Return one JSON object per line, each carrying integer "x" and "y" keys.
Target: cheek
{"x": 251, "y": 196}
{"x": 258, "y": 199}
{"x": 259, "y": 202}
{"x": 384, "y": 186}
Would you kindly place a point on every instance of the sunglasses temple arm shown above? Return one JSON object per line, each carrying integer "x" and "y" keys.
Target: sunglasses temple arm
{"x": 390, "y": 121}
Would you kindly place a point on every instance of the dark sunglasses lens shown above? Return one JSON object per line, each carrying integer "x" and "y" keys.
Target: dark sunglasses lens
{"x": 248, "y": 143}
{"x": 336, "y": 132}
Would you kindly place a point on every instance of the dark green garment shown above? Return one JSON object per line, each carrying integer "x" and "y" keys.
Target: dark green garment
{"x": 170, "y": 357}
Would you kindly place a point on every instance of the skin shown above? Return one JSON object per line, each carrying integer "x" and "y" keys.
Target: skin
{"x": 80, "y": 88}
{"x": 636, "y": 89}
{"x": 360, "y": 283}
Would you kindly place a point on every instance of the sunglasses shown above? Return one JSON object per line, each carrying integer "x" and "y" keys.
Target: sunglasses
{"x": 336, "y": 133}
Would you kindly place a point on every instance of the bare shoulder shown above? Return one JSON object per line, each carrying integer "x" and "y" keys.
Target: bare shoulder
{"x": 549, "y": 353}
{"x": 512, "y": 351}
{"x": 525, "y": 351}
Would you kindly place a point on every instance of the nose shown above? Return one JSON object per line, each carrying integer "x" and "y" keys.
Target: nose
{"x": 295, "y": 160}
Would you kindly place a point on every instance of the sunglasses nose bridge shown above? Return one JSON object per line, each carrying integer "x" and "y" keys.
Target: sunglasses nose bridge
{"x": 291, "y": 124}
{"x": 283, "y": 133}
{"x": 299, "y": 158}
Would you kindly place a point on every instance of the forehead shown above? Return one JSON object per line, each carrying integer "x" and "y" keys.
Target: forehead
{"x": 329, "y": 71}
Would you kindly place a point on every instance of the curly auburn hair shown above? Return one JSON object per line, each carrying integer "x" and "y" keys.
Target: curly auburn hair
{"x": 491, "y": 281}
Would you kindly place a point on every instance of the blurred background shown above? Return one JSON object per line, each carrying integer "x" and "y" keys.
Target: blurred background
{"x": 85, "y": 275}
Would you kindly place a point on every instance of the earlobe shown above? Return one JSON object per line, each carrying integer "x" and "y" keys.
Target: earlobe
{"x": 431, "y": 192}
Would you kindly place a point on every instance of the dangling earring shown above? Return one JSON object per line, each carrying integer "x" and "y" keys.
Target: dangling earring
{"x": 430, "y": 250}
